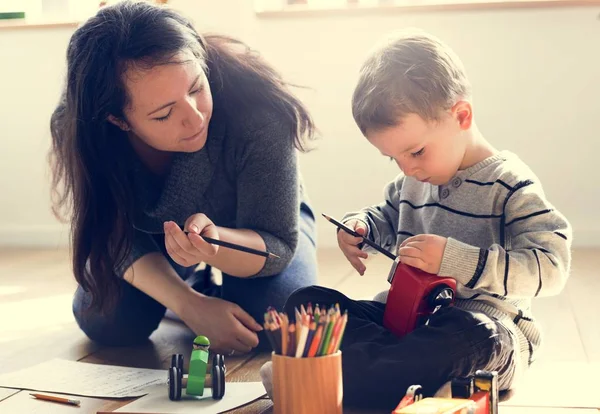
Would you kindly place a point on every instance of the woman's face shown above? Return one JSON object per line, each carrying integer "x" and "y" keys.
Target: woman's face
{"x": 170, "y": 105}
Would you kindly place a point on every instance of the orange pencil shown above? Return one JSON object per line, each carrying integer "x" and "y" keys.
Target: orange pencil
{"x": 56, "y": 399}
{"x": 316, "y": 341}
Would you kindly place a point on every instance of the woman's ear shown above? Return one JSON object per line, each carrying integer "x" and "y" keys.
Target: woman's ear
{"x": 119, "y": 123}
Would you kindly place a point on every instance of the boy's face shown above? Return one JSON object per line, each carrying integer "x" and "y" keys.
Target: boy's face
{"x": 428, "y": 151}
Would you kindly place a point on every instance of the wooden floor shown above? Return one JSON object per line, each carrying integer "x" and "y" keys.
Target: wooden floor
{"x": 35, "y": 304}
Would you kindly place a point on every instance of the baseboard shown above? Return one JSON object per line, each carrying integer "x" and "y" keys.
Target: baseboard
{"x": 34, "y": 236}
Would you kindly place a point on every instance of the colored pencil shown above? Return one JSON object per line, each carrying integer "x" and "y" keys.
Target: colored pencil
{"x": 313, "y": 332}
{"x": 52, "y": 398}
{"x": 355, "y": 234}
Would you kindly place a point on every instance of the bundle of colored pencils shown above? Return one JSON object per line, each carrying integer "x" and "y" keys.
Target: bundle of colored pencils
{"x": 314, "y": 333}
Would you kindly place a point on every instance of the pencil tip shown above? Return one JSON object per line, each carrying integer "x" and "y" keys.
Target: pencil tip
{"x": 274, "y": 255}
{"x": 326, "y": 216}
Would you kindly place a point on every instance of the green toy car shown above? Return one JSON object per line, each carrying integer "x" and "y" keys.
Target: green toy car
{"x": 197, "y": 379}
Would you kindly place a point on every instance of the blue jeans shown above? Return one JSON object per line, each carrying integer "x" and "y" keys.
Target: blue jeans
{"x": 136, "y": 315}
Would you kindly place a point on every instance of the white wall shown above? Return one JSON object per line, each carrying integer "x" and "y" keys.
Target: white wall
{"x": 534, "y": 74}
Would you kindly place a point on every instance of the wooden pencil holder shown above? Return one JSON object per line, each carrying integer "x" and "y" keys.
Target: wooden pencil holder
{"x": 307, "y": 385}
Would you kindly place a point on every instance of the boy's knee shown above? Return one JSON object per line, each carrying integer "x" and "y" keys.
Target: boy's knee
{"x": 494, "y": 348}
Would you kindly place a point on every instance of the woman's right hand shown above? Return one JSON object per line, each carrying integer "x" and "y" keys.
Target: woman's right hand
{"x": 349, "y": 245}
{"x": 227, "y": 326}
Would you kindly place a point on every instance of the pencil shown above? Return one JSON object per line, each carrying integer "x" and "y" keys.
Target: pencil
{"x": 341, "y": 334}
{"x": 316, "y": 341}
{"x": 355, "y": 234}
{"x": 309, "y": 337}
{"x": 55, "y": 399}
{"x": 270, "y": 335}
{"x": 334, "y": 335}
{"x": 238, "y": 247}
{"x": 292, "y": 340}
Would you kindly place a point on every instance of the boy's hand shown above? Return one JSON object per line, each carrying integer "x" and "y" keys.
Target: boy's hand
{"x": 349, "y": 245}
{"x": 423, "y": 251}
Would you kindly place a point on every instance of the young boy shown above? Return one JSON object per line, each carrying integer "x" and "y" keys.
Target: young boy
{"x": 462, "y": 209}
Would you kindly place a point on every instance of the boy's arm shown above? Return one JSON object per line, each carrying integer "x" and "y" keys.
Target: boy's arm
{"x": 537, "y": 258}
{"x": 381, "y": 219}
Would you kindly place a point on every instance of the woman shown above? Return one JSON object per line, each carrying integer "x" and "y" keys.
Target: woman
{"x": 163, "y": 136}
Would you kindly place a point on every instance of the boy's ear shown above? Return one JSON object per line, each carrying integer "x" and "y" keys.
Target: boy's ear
{"x": 119, "y": 123}
{"x": 463, "y": 112}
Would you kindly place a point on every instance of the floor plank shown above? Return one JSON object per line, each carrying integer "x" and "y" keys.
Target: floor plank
{"x": 546, "y": 410}
{"x": 582, "y": 290}
{"x": 561, "y": 339}
{"x": 372, "y": 282}
{"x": 23, "y": 403}
{"x": 66, "y": 342}
{"x": 333, "y": 267}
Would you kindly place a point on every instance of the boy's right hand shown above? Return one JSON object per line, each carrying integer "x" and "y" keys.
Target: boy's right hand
{"x": 349, "y": 245}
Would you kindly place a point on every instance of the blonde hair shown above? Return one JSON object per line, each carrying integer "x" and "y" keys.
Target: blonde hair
{"x": 410, "y": 71}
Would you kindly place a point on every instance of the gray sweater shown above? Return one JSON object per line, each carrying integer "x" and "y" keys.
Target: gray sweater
{"x": 506, "y": 243}
{"x": 246, "y": 177}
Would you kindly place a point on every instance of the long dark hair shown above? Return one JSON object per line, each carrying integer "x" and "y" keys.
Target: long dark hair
{"x": 89, "y": 155}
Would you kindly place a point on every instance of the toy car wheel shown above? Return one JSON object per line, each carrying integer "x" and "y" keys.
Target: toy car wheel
{"x": 177, "y": 361}
{"x": 218, "y": 382}
{"x": 219, "y": 360}
{"x": 442, "y": 296}
{"x": 174, "y": 383}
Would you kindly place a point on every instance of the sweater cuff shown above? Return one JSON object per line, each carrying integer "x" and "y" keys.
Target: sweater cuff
{"x": 462, "y": 262}
{"x": 274, "y": 245}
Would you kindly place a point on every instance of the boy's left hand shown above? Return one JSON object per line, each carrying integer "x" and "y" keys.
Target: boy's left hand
{"x": 423, "y": 251}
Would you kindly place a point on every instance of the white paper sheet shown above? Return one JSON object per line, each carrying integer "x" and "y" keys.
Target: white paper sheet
{"x": 80, "y": 378}
{"x": 157, "y": 400}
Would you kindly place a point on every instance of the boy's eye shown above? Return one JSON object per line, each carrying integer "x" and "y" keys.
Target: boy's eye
{"x": 418, "y": 153}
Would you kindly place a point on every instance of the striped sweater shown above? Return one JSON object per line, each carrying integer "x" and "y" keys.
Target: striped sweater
{"x": 506, "y": 243}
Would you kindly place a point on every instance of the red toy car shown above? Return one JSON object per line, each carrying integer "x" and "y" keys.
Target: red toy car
{"x": 413, "y": 297}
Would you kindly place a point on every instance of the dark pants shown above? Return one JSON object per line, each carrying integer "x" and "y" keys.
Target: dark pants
{"x": 378, "y": 367}
{"x": 137, "y": 315}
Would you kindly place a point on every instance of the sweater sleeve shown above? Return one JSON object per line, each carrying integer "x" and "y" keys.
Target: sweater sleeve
{"x": 535, "y": 259}
{"x": 143, "y": 244}
{"x": 267, "y": 192}
{"x": 381, "y": 219}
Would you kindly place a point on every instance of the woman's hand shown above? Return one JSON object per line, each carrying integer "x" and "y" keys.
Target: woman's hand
{"x": 191, "y": 249}
{"x": 227, "y": 326}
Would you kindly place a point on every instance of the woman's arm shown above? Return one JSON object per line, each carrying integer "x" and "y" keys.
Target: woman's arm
{"x": 153, "y": 275}
{"x": 227, "y": 325}
{"x": 235, "y": 262}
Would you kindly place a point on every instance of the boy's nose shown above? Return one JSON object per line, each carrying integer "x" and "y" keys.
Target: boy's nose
{"x": 406, "y": 167}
